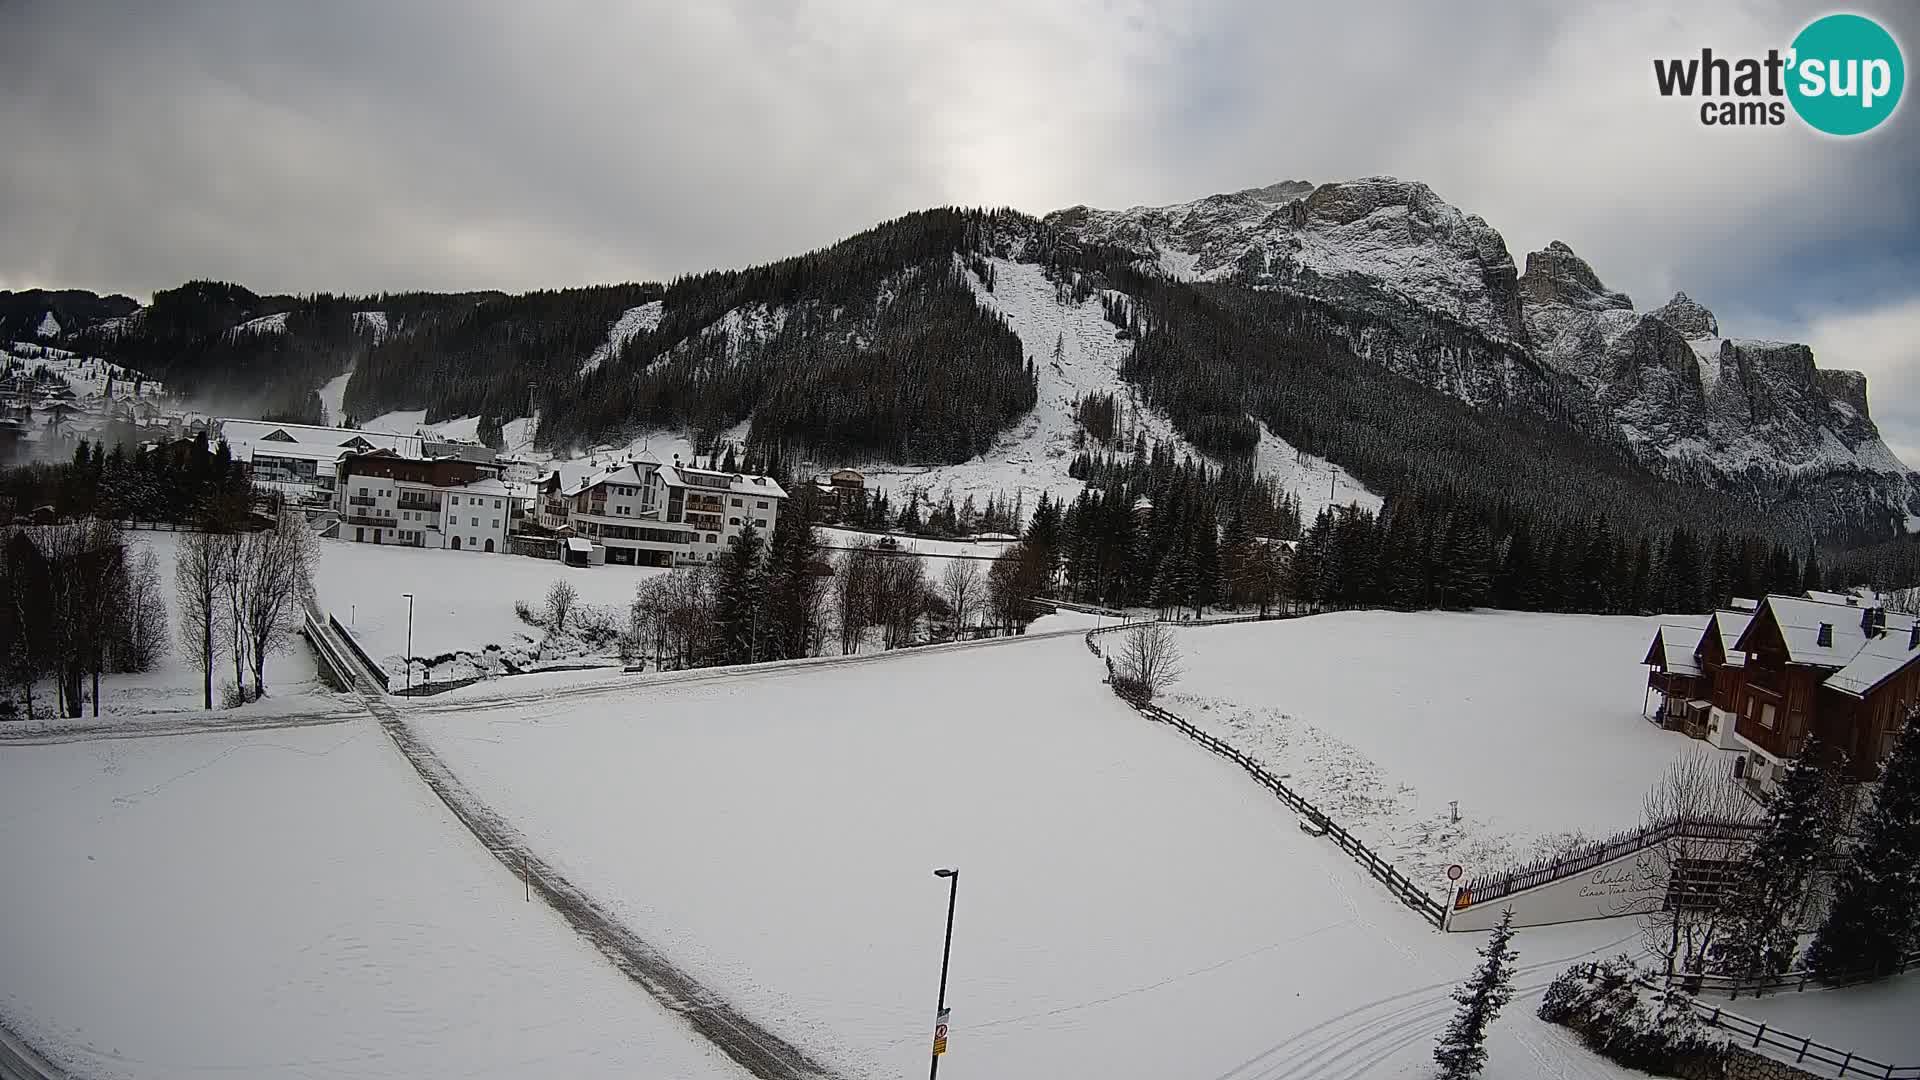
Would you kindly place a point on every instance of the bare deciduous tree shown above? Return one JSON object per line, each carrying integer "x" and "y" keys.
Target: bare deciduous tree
{"x": 1149, "y": 659}
{"x": 197, "y": 572}
{"x": 145, "y": 615}
{"x": 1698, "y": 788}
{"x": 855, "y": 582}
{"x": 279, "y": 581}
{"x": 561, "y": 598}
{"x": 960, "y": 581}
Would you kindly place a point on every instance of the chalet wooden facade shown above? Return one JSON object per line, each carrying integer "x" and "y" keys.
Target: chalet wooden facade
{"x": 1766, "y": 680}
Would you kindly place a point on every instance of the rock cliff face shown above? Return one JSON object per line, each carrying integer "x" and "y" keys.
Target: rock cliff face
{"x": 1745, "y": 415}
{"x": 1374, "y": 233}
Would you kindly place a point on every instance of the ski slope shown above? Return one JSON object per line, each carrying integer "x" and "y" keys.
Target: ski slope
{"x": 1075, "y": 354}
{"x": 1129, "y": 905}
{"x": 1530, "y": 721}
{"x": 290, "y": 904}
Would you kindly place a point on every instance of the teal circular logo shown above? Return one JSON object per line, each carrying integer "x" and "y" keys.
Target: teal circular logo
{"x": 1846, "y": 74}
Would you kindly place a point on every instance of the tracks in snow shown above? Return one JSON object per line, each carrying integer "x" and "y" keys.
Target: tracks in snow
{"x": 757, "y": 1050}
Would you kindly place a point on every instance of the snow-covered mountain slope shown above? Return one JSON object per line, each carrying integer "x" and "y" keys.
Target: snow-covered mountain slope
{"x": 49, "y": 326}
{"x": 265, "y": 324}
{"x": 373, "y": 323}
{"x": 1747, "y": 410}
{"x": 1376, "y": 232}
{"x": 635, "y": 320}
{"x": 1075, "y": 354}
{"x": 1317, "y": 482}
{"x": 1743, "y": 415}
{"x": 333, "y": 397}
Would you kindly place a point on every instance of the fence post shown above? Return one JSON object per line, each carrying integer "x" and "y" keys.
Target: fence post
{"x": 1714, "y": 1020}
{"x": 1804, "y": 1043}
{"x": 1759, "y": 1034}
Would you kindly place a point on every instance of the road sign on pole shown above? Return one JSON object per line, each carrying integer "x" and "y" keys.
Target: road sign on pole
{"x": 1454, "y": 872}
{"x": 940, "y": 1033}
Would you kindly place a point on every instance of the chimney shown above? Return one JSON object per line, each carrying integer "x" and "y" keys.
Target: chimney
{"x": 1825, "y": 638}
{"x": 1873, "y": 622}
{"x": 1913, "y": 636}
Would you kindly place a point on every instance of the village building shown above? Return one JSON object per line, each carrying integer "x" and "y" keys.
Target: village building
{"x": 1763, "y": 681}
{"x": 300, "y": 460}
{"x": 450, "y": 503}
{"x": 644, "y": 513}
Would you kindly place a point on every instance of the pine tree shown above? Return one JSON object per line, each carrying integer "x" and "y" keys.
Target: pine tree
{"x": 1764, "y": 902}
{"x": 1871, "y": 923}
{"x": 1463, "y": 1048}
{"x": 737, "y": 601}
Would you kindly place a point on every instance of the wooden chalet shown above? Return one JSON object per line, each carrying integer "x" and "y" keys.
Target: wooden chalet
{"x": 1761, "y": 677}
{"x": 1846, "y": 671}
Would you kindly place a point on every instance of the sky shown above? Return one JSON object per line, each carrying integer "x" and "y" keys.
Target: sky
{"x": 358, "y": 147}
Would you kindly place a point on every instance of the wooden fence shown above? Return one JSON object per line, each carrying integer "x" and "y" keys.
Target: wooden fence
{"x": 1756, "y": 1035}
{"x": 1797, "y": 980}
{"x": 1490, "y": 887}
{"x": 1403, "y": 890}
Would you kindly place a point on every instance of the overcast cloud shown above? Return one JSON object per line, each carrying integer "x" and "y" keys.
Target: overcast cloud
{"x": 445, "y": 144}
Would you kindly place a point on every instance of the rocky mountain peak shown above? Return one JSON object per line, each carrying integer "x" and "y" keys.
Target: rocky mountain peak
{"x": 1555, "y": 275}
{"x": 1686, "y": 315}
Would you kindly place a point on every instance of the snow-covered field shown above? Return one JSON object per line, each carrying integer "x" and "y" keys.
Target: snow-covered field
{"x": 1532, "y": 722}
{"x": 175, "y": 686}
{"x": 463, "y": 600}
{"x": 414, "y": 422}
{"x": 290, "y": 903}
{"x": 1129, "y": 905}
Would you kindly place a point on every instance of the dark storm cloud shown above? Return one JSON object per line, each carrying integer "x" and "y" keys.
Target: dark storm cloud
{"x": 441, "y": 144}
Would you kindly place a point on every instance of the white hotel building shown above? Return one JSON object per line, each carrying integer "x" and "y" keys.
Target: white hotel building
{"x": 648, "y": 514}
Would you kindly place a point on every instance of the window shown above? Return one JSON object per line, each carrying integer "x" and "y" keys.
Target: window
{"x": 1766, "y": 717}
{"x": 454, "y": 499}
{"x": 761, "y": 505}
{"x": 712, "y": 539}
{"x": 476, "y": 523}
{"x": 733, "y": 521}
{"x": 733, "y": 540}
{"x": 496, "y": 504}
{"x": 496, "y": 523}
{"x": 759, "y": 523}
{"x": 363, "y": 491}
{"x": 736, "y": 502}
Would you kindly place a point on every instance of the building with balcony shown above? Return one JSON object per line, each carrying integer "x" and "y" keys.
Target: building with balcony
{"x": 299, "y": 460}
{"x": 1763, "y": 676}
{"x": 385, "y": 498}
{"x": 1841, "y": 668}
{"x": 644, "y": 513}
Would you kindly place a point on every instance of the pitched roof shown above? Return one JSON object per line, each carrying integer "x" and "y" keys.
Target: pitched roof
{"x": 1800, "y": 619}
{"x": 1879, "y": 660}
{"x": 1860, "y": 662}
{"x": 1729, "y": 625}
{"x": 1677, "y": 644}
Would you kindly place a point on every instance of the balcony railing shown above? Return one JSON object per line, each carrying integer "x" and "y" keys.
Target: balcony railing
{"x": 362, "y": 500}
{"x": 365, "y": 519}
{"x": 419, "y": 504}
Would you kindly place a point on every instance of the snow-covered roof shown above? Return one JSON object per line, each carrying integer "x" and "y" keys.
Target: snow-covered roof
{"x": 1730, "y": 625}
{"x": 1878, "y": 660}
{"x": 765, "y": 487}
{"x": 1741, "y": 603}
{"x": 243, "y": 436}
{"x": 296, "y": 450}
{"x": 488, "y": 486}
{"x": 1800, "y": 620}
{"x": 1677, "y": 645}
{"x": 580, "y": 545}
{"x": 628, "y": 472}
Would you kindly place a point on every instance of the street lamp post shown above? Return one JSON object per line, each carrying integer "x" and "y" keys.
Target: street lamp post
{"x": 952, "y": 874}
{"x": 409, "y": 657}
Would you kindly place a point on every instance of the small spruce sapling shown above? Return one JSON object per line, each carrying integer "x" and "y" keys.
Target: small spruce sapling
{"x": 1462, "y": 1050}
